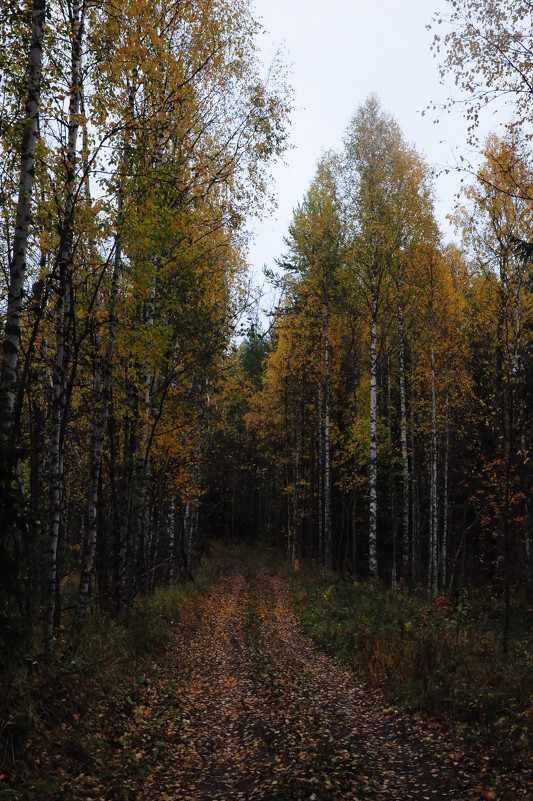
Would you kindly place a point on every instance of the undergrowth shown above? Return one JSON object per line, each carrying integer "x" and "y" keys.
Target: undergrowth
{"x": 108, "y": 660}
{"x": 442, "y": 659}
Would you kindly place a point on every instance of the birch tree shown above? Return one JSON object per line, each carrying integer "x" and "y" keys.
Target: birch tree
{"x": 64, "y": 311}
{"x": 316, "y": 249}
{"x": 493, "y": 222}
{"x": 374, "y": 151}
{"x": 158, "y": 130}
{"x": 17, "y": 266}
{"x": 487, "y": 47}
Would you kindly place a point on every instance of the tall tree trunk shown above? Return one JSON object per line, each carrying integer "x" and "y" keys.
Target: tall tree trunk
{"x": 373, "y": 458}
{"x": 99, "y": 425}
{"x": 171, "y": 539}
{"x": 415, "y": 508}
{"x": 432, "y": 567}
{"x": 288, "y": 460}
{"x": 295, "y": 545}
{"x": 433, "y": 576}
{"x": 506, "y": 556}
{"x": 56, "y": 456}
{"x": 17, "y": 267}
{"x": 320, "y": 476}
{"x": 191, "y": 531}
{"x": 403, "y": 442}
{"x": 446, "y": 467}
{"x": 126, "y": 491}
{"x": 311, "y": 497}
{"x": 38, "y": 381}
{"x": 191, "y": 514}
{"x": 299, "y": 496}
{"x": 355, "y": 458}
{"x": 64, "y": 310}
{"x": 89, "y": 541}
{"x": 142, "y": 461}
{"x": 526, "y": 525}
{"x": 394, "y": 518}
{"x": 188, "y": 533}
{"x": 327, "y": 449}
{"x": 525, "y": 472}
{"x": 504, "y": 395}
{"x": 527, "y": 545}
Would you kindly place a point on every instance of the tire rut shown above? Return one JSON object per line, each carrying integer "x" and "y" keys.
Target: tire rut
{"x": 260, "y": 713}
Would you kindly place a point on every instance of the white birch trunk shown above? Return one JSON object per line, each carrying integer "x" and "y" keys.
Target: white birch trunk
{"x": 171, "y": 538}
{"x": 191, "y": 529}
{"x": 187, "y": 530}
{"x": 17, "y": 270}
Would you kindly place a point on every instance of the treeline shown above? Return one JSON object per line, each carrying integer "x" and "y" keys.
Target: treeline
{"x": 383, "y": 425}
{"x": 390, "y": 425}
{"x": 135, "y": 140}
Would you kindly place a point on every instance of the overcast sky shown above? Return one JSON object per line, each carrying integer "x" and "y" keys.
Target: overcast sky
{"x": 341, "y": 51}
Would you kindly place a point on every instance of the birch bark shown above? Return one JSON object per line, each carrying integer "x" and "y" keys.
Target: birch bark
{"x": 17, "y": 270}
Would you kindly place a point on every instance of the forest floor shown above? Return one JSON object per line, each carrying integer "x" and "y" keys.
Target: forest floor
{"x": 242, "y": 706}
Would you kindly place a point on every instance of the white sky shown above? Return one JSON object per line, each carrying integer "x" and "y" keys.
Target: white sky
{"x": 341, "y": 51}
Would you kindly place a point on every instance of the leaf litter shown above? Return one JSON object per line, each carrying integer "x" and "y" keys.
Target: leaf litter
{"x": 243, "y": 706}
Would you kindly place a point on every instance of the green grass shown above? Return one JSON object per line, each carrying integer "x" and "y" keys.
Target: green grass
{"x": 442, "y": 659}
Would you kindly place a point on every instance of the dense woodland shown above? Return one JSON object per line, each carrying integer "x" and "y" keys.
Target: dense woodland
{"x": 382, "y": 424}
{"x": 392, "y": 418}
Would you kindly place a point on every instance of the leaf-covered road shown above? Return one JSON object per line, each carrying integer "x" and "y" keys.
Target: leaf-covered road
{"x": 258, "y": 713}
{"x": 246, "y": 708}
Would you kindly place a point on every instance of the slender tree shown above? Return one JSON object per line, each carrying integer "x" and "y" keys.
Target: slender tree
{"x": 17, "y": 266}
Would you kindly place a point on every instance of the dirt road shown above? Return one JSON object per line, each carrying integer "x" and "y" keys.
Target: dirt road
{"x": 245, "y": 707}
{"x": 260, "y": 714}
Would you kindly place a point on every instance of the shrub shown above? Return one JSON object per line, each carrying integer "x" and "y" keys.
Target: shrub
{"x": 437, "y": 658}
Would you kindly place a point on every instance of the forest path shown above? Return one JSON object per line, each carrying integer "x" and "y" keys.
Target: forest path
{"x": 242, "y": 706}
{"x": 258, "y": 713}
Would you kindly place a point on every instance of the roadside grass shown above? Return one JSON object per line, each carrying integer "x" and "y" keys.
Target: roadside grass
{"x": 108, "y": 661}
{"x": 440, "y": 658}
